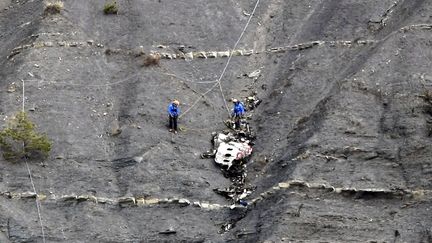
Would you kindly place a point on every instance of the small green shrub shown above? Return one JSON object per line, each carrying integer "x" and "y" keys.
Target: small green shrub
{"x": 20, "y": 140}
{"x": 111, "y": 8}
{"x": 53, "y": 7}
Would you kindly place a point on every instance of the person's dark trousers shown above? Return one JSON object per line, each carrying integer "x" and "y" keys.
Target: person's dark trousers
{"x": 173, "y": 122}
{"x": 237, "y": 122}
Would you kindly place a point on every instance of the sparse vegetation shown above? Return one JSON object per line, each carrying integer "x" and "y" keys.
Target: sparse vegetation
{"x": 111, "y": 8}
{"x": 418, "y": 195}
{"x": 427, "y": 96}
{"x": 152, "y": 59}
{"x": 108, "y": 51}
{"x": 54, "y": 7}
{"x": 427, "y": 109}
{"x": 20, "y": 140}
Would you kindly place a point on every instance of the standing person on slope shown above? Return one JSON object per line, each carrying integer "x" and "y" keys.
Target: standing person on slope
{"x": 237, "y": 113}
{"x": 173, "y": 112}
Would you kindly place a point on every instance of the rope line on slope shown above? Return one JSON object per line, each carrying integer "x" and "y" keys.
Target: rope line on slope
{"x": 38, "y": 206}
{"x": 184, "y": 81}
{"x": 218, "y": 83}
{"x": 231, "y": 54}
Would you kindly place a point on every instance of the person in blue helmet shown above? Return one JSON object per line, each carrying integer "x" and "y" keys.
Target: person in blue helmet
{"x": 237, "y": 113}
{"x": 173, "y": 113}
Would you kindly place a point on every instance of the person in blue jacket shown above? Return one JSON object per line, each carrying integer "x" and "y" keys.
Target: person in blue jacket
{"x": 237, "y": 112}
{"x": 173, "y": 112}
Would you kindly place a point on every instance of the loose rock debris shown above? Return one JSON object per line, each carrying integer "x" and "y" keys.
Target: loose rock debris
{"x": 219, "y": 54}
{"x": 285, "y": 203}
{"x": 368, "y": 193}
{"x": 255, "y": 74}
{"x": 12, "y": 88}
{"x": 195, "y": 54}
{"x": 168, "y": 232}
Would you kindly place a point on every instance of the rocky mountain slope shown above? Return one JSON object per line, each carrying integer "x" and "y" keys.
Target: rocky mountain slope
{"x": 343, "y": 133}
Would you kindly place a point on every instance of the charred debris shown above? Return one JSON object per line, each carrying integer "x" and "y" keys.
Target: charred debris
{"x": 231, "y": 150}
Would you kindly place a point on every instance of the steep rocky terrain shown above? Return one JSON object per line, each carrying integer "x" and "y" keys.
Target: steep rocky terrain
{"x": 343, "y": 133}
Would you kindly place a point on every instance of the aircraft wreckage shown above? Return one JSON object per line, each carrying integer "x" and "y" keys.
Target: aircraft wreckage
{"x": 231, "y": 150}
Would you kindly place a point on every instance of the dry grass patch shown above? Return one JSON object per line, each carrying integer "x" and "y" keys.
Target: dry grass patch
{"x": 427, "y": 96}
{"x": 54, "y": 7}
{"x": 418, "y": 195}
{"x": 152, "y": 59}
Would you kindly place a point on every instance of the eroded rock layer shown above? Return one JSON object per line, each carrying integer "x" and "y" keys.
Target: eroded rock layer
{"x": 343, "y": 133}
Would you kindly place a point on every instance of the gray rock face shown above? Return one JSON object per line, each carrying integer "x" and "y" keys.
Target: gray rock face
{"x": 343, "y": 132}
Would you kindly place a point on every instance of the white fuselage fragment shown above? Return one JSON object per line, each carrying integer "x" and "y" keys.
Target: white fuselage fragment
{"x": 228, "y": 151}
